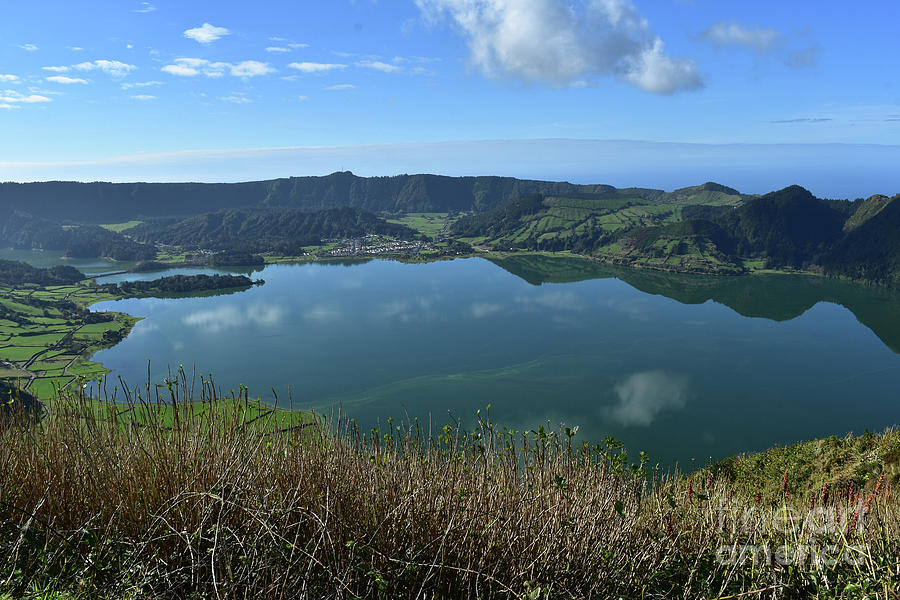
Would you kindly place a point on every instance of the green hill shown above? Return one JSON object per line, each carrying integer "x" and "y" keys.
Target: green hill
{"x": 790, "y": 227}
{"x": 260, "y": 230}
{"x": 25, "y": 231}
{"x": 870, "y": 250}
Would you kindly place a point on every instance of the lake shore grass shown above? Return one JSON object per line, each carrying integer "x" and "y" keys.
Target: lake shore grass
{"x": 205, "y": 496}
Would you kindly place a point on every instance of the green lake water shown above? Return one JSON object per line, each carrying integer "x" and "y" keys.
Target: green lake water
{"x": 683, "y": 367}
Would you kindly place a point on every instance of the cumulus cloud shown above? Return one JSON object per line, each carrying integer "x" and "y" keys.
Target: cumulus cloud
{"x": 9, "y": 79}
{"x": 191, "y": 67}
{"x": 731, "y": 33}
{"x": 65, "y": 80}
{"x": 312, "y": 67}
{"x": 251, "y": 68}
{"x": 206, "y": 33}
{"x": 644, "y": 395}
{"x": 110, "y": 67}
{"x": 377, "y": 65}
{"x": 56, "y": 69}
{"x": 557, "y": 42}
{"x": 12, "y": 98}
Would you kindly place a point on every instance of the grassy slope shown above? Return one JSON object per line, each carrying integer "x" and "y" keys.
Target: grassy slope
{"x": 216, "y": 504}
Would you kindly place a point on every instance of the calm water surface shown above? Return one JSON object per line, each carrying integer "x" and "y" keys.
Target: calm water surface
{"x": 683, "y": 367}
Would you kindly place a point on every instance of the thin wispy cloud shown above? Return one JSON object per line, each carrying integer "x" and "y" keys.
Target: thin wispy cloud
{"x": 732, "y": 33}
{"x": 192, "y": 67}
{"x": 56, "y": 69}
{"x": 237, "y": 99}
{"x": 555, "y": 42}
{"x": 803, "y": 58}
{"x": 313, "y": 67}
{"x": 341, "y": 87}
{"x": 206, "y": 33}
{"x": 145, "y": 7}
{"x": 377, "y": 65}
{"x": 805, "y": 120}
{"x": 140, "y": 84}
{"x": 277, "y": 49}
{"x": 65, "y": 80}
{"x": 143, "y": 97}
{"x": 29, "y": 47}
{"x": 9, "y": 78}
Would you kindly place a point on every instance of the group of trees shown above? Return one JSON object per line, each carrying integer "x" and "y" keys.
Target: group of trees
{"x": 179, "y": 284}
{"x": 23, "y": 230}
{"x": 14, "y": 273}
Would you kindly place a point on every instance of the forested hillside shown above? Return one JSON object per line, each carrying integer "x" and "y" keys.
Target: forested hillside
{"x": 117, "y": 202}
{"x": 258, "y": 230}
{"x": 25, "y": 231}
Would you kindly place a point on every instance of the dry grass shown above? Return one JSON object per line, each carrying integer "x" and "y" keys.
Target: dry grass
{"x": 228, "y": 504}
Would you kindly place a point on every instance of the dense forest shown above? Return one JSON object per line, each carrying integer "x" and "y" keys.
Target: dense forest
{"x": 23, "y": 230}
{"x": 259, "y": 230}
{"x": 180, "y": 284}
{"x": 14, "y": 273}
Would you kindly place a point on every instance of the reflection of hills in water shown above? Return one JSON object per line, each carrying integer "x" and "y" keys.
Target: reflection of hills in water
{"x": 776, "y": 297}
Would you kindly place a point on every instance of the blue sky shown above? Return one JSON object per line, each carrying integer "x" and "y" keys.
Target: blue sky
{"x": 121, "y": 89}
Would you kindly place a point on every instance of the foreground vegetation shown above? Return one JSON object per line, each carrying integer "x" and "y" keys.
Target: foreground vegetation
{"x": 196, "y": 501}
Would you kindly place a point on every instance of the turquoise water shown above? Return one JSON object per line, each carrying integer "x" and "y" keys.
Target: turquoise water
{"x": 686, "y": 368}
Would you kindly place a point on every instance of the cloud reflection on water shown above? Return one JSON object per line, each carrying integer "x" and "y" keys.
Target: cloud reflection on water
{"x": 643, "y": 396}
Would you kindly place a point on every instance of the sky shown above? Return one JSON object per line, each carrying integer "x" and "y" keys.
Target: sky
{"x": 162, "y": 90}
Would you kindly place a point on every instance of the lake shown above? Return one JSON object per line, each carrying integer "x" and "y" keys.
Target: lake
{"x": 684, "y": 367}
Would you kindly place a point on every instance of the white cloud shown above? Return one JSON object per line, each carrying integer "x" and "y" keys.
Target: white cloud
{"x": 236, "y": 99}
{"x": 56, "y": 69}
{"x": 341, "y": 87}
{"x": 110, "y": 67}
{"x": 251, "y": 68}
{"x": 206, "y": 33}
{"x": 140, "y": 84}
{"x": 277, "y": 49}
{"x": 13, "y": 97}
{"x": 643, "y": 396}
{"x": 146, "y": 7}
{"x": 191, "y": 67}
{"x": 653, "y": 71}
{"x": 28, "y": 47}
{"x": 9, "y": 78}
{"x": 296, "y": 46}
{"x": 557, "y": 41}
{"x": 322, "y": 314}
{"x": 65, "y": 80}
{"x": 302, "y": 98}
{"x": 75, "y": 48}
{"x": 379, "y": 66}
{"x": 311, "y": 67}
{"x": 143, "y": 97}
{"x": 5, "y": 106}
{"x": 731, "y": 33}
